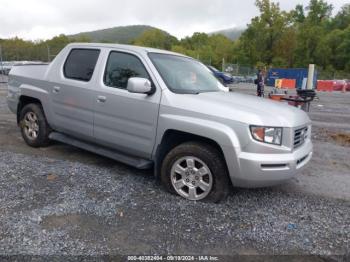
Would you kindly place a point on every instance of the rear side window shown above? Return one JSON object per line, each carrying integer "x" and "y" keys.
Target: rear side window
{"x": 80, "y": 64}
{"x": 122, "y": 66}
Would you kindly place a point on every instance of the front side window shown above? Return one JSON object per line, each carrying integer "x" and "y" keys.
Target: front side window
{"x": 122, "y": 66}
{"x": 80, "y": 64}
{"x": 185, "y": 75}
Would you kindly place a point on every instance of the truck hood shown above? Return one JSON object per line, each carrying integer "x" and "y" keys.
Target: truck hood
{"x": 245, "y": 108}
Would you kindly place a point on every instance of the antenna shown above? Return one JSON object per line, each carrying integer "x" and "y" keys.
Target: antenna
{"x": 48, "y": 54}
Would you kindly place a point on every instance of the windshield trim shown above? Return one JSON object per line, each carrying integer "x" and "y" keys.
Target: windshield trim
{"x": 214, "y": 69}
{"x": 174, "y": 90}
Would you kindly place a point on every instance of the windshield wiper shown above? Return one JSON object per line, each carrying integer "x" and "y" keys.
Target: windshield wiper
{"x": 188, "y": 92}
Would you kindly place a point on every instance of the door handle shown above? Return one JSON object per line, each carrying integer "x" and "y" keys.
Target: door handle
{"x": 56, "y": 89}
{"x": 101, "y": 99}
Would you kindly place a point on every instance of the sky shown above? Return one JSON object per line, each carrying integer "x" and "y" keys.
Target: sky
{"x": 43, "y": 19}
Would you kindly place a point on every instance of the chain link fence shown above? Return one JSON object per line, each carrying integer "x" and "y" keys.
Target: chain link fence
{"x": 332, "y": 74}
{"x": 239, "y": 70}
{"x": 240, "y": 73}
{"x": 39, "y": 52}
{"x": 14, "y": 55}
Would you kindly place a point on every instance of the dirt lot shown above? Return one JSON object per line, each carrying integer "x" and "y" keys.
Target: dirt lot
{"x": 62, "y": 200}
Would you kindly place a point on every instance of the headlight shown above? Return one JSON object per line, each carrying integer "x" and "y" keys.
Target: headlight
{"x": 269, "y": 135}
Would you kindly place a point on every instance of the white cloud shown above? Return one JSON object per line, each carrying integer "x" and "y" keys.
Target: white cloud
{"x": 33, "y": 19}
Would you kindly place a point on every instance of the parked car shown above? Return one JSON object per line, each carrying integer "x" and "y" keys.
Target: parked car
{"x": 224, "y": 78}
{"x": 238, "y": 79}
{"x": 150, "y": 108}
{"x": 5, "y": 67}
{"x": 250, "y": 79}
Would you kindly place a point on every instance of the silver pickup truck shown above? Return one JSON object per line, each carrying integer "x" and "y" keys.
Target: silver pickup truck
{"x": 156, "y": 109}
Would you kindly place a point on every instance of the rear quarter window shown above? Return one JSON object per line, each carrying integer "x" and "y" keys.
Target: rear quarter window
{"x": 80, "y": 64}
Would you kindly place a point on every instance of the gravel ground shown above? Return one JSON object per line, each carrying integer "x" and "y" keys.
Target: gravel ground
{"x": 61, "y": 200}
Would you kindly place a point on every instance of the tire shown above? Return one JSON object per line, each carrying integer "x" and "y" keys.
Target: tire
{"x": 177, "y": 170}
{"x": 34, "y": 127}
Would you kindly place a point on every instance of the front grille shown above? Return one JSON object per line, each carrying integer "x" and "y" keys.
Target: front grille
{"x": 299, "y": 136}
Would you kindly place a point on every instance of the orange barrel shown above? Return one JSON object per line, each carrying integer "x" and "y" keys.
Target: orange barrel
{"x": 276, "y": 97}
{"x": 325, "y": 85}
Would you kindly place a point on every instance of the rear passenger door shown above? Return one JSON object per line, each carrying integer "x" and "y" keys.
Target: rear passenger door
{"x": 72, "y": 93}
{"x": 125, "y": 121}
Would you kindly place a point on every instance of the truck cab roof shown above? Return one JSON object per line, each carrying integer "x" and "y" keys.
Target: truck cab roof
{"x": 132, "y": 48}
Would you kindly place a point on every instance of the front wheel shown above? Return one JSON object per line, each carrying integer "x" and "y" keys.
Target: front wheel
{"x": 195, "y": 171}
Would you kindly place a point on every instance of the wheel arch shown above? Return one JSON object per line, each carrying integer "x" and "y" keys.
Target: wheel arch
{"x": 23, "y": 101}
{"x": 172, "y": 138}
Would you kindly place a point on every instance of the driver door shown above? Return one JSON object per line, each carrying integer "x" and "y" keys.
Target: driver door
{"x": 125, "y": 121}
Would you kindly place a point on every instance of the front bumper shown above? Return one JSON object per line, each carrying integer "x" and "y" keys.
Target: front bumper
{"x": 261, "y": 170}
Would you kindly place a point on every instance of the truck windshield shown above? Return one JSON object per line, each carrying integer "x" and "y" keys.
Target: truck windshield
{"x": 184, "y": 75}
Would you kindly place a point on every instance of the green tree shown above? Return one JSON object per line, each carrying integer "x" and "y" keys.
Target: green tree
{"x": 298, "y": 14}
{"x": 264, "y": 33}
{"x": 209, "y": 49}
{"x": 318, "y": 11}
{"x": 342, "y": 19}
{"x": 311, "y": 32}
{"x": 57, "y": 43}
{"x": 220, "y": 48}
{"x": 196, "y": 41}
{"x": 16, "y": 49}
{"x": 157, "y": 39}
{"x": 342, "y": 51}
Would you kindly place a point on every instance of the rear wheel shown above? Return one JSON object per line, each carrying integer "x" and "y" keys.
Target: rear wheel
{"x": 34, "y": 127}
{"x": 195, "y": 171}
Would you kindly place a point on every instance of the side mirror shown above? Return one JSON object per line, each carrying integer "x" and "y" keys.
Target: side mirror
{"x": 139, "y": 85}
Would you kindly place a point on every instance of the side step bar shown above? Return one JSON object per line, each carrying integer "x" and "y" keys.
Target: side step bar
{"x": 126, "y": 159}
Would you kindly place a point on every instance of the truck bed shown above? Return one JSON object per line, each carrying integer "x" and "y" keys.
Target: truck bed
{"x": 29, "y": 71}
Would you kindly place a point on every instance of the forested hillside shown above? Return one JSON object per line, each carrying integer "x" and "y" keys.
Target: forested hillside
{"x": 231, "y": 33}
{"x": 120, "y": 34}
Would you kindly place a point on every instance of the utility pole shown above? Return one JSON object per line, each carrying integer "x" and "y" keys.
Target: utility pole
{"x": 1, "y": 65}
{"x": 310, "y": 78}
{"x": 48, "y": 54}
{"x": 1, "y": 58}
